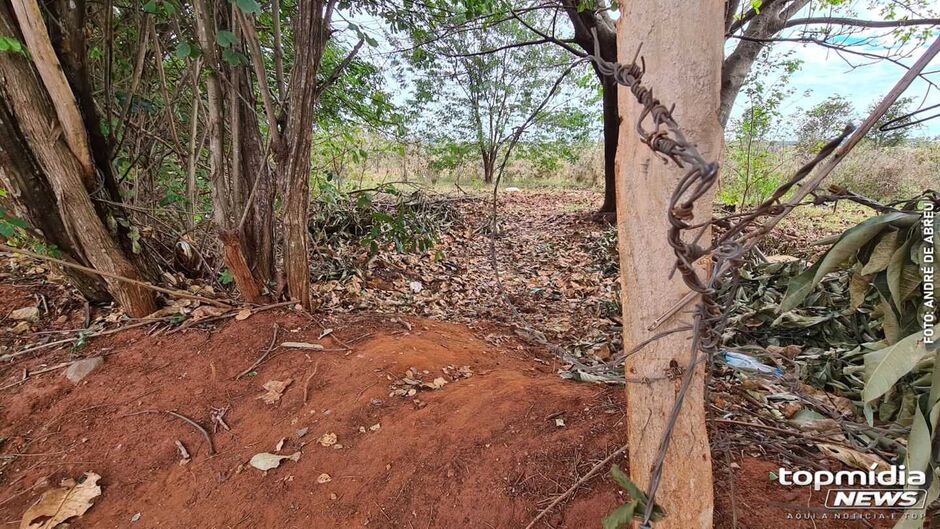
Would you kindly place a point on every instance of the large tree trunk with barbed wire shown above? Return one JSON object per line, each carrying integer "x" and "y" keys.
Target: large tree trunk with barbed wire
{"x": 682, "y": 47}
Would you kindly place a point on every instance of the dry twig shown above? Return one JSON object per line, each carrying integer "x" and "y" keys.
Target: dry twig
{"x": 571, "y": 490}
{"x": 264, "y": 356}
{"x": 181, "y": 417}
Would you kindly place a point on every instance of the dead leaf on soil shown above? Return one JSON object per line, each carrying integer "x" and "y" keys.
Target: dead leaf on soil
{"x": 58, "y": 505}
{"x": 267, "y": 461}
{"x": 841, "y": 404}
{"x": 853, "y": 458}
{"x": 437, "y": 383}
{"x": 207, "y": 311}
{"x": 275, "y": 390}
{"x": 243, "y": 314}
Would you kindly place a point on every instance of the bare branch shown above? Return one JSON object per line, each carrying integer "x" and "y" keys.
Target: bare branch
{"x": 842, "y": 21}
{"x": 509, "y": 47}
{"x": 339, "y": 68}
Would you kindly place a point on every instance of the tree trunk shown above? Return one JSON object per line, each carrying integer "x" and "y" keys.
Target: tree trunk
{"x": 226, "y": 197}
{"x": 489, "y": 167}
{"x": 310, "y": 35}
{"x": 68, "y": 39}
{"x": 587, "y": 24}
{"x": 767, "y": 23}
{"x": 258, "y": 230}
{"x": 682, "y": 45}
{"x": 35, "y": 202}
{"x": 29, "y": 96}
{"x": 611, "y": 138}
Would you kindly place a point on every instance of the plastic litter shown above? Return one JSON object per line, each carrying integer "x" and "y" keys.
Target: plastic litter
{"x": 749, "y": 363}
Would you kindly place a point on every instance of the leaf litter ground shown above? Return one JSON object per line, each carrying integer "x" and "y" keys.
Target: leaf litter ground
{"x": 419, "y": 423}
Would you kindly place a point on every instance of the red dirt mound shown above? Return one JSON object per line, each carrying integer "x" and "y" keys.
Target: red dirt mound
{"x": 484, "y": 450}
{"x": 487, "y": 446}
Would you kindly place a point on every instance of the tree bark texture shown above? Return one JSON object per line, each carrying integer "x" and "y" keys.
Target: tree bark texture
{"x": 227, "y": 200}
{"x": 682, "y": 46}
{"x": 37, "y": 96}
{"x": 311, "y": 31}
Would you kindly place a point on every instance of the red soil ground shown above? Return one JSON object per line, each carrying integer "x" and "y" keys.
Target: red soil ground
{"x": 482, "y": 452}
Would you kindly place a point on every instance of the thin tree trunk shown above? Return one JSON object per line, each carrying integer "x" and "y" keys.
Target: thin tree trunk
{"x": 611, "y": 138}
{"x": 258, "y": 228}
{"x": 68, "y": 39}
{"x": 310, "y": 37}
{"x": 192, "y": 188}
{"x": 489, "y": 166}
{"x": 30, "y": 102}
{"x": 587, "y": 24}
{"x": 278, "y": 51}
{"x": 682, "y": 45}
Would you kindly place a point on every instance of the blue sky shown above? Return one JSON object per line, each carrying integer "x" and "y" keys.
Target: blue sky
{"x": 825, "y": 74}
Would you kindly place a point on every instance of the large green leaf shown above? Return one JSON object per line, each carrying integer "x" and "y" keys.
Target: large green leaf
{"x": 225, "y": 38}
{"x": 842, "y": 251}
{"x": 249, "y": 6}
{"x": 622, "y": 517}
{"x": 884, "y": 367}
{"x": 621, "y": 478}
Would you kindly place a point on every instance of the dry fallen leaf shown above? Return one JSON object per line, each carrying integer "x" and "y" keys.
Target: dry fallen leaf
{"x": 853, "y": 458}
{"x": 206, "y": 311}
{"x": 267, "y": 461}
{"x": 243, "y": 314}
{"x": 58, "y": 505}
{"x": 275, "y": 390}
{"x": 437, "y": 383}
{"x": 327, "y": 439}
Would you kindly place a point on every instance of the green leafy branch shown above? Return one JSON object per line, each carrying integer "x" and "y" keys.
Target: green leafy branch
{"x": 623, "y": 516}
